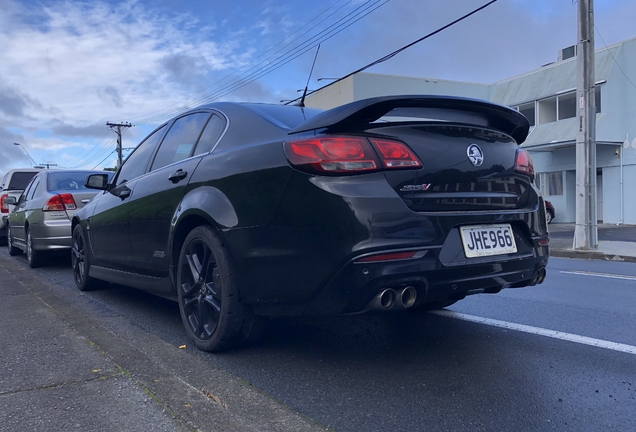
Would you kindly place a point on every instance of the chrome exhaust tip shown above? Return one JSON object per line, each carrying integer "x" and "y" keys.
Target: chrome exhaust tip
{"x": 384, "y": 300}
{"x": 406, "y": 297}
{"x": 542, "y": 272}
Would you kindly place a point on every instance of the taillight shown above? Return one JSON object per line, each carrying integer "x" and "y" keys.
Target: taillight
{"x": 523, "y": 163}
{"x": 394, "y": 154}
{"x": 4, "y": 208}
{"x": 60, "y": 202}
{"x": 348, "y": 154}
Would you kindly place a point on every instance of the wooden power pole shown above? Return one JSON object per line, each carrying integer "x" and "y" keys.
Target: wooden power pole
{"x": 117, "y": 128}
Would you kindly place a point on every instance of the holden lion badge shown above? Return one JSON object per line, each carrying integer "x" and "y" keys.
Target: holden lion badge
{"x": 475, "y": 155}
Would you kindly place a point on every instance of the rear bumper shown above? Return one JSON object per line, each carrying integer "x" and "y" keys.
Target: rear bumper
{"x": 305, "y": 261}
{"x": 52, "y": 235}
{"x": 356, "y": 285}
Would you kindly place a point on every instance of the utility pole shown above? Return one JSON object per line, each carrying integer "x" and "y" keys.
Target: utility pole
{"x": 586, "y": 229}
{"x": 117, "y": 128}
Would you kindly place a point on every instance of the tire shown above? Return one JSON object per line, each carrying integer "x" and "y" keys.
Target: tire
{"x": 4, "y": 241}
{"x": 209, "y": 302}
{"x": 81, "y": 264}
{"x": 13, "y": 251}
{"x": 34, "y": 258}
{"x": 548, "y": 216}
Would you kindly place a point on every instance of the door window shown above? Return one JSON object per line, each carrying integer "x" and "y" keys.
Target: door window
{"x": 180, "y": 140}
{"x": 135, "y": 164}
{"x": 210, "y": 135}
{"x": 32, "y": 188}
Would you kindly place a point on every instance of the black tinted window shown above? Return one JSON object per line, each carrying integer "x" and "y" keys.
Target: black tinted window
{"x": 135, "y": 164}
{"x": 19, "y": 180}
{"x": 211, "y": 135}
{"x": 180, "y": 140}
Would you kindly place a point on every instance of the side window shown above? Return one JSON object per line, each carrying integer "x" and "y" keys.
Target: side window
{"x": 33, "y": 187}
{"x": 135, "y": 164}
{"x": 180, "y": 140}
{"x": 27, "y": 191}
{"x": 211, "y": 135}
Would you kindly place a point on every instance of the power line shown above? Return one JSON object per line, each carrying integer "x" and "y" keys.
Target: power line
{"x": 253, "y": 61}
{"x": 293, "y": 53}
{"x": 396, "y": 52}
{"x": 614, "y": 58}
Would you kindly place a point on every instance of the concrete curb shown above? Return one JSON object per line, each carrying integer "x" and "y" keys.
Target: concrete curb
{"x": 590, "y": 255}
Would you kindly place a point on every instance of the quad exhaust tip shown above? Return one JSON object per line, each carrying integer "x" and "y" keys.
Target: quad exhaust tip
{"x": 389, "y": 298}
{"x": 538, "y": 277}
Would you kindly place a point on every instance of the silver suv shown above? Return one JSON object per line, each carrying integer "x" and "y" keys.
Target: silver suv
{"x": 13, "y": 183}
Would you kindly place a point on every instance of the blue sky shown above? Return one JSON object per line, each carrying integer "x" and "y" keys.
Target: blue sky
{"x": 68, "y": 67}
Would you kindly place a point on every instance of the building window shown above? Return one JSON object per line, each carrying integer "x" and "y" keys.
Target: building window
{"x": 528, "y": 110}
{"x": 567, "y": 105}
{"x": 551, "y": 183}
{"x": 555, "y": 108}
{"x": 548, "y": 110}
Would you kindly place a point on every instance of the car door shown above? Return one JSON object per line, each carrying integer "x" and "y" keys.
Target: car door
{"x": 21, "y": 211}
{"x": 108, "y": 226}
{"x": 158, "y": 194}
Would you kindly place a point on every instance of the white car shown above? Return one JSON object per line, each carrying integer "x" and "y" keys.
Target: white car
{"x": 13, "y": 183}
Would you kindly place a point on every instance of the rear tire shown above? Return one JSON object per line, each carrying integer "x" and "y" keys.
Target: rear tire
{"x": 212, "y": 312}
{"x": 13, "y": 251}
{"x": 34, "y": 258}
{"x": 81, "y": 264}
{"x": 548, "y": 216}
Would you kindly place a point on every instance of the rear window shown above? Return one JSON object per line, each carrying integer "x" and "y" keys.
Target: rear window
{"x": 19, "y": 180}
{"x": 288, "y": 116}
{"x": 432, "y": 114}
{"x": 69, "y": 181}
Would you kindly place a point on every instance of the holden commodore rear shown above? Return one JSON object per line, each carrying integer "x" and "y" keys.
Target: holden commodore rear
{"x": 414, "y": 203}
{"x": 243, "y": 211}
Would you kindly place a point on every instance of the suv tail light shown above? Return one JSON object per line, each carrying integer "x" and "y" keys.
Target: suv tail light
{"x": 348, "y": 154}
{"x": 523, "y": 163}
{"x": 4, "y": 208}
{"x": 60, "y": 202}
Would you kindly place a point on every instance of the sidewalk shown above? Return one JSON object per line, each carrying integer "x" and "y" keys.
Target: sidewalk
{"x": 616, "y": 242}
{"x": 65, "y": 367}
{"x": 54, "y": 379}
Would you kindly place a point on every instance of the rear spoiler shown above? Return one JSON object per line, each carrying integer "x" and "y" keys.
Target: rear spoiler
{"x": 436, "y": 108}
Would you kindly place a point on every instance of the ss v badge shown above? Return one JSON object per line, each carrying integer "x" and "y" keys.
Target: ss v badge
{"x": 411, "y": 188}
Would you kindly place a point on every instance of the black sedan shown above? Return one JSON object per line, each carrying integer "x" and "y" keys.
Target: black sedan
{"x": 243, "y": 211}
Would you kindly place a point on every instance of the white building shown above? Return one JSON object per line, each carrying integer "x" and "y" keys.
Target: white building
{"x": 547, "y": 96}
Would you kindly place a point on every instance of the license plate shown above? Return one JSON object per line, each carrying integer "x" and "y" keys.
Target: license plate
{"x": 487, "y": 240}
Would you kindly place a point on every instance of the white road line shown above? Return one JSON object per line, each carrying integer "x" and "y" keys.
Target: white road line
{"x": 605, "y": 275}
{"x": 629, "y": 349}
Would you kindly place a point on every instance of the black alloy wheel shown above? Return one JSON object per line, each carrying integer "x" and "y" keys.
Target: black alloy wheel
{"x": 80, "y": 262}
{"x": 13, "y": 251}
{"x": 33, "y": 256}
{"x": 211, "y": 310}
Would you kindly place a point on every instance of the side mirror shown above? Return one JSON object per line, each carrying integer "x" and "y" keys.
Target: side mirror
{"x": 97, "y": 181}
{"x": 10, "y": 200}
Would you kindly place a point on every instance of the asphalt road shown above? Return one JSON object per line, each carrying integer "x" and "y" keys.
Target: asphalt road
{"x": 405, "y": 371}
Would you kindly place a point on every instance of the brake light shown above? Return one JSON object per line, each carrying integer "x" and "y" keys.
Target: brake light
{"x": 4, "y": 208}
{"x": 394, "y": 154}
{"x": 348, "y": 154}
{"x": 523, "y": 163}
{"x": 60, "y": 202}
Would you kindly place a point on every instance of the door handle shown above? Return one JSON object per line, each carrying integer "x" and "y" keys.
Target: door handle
{"x": 177, "y": 176}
